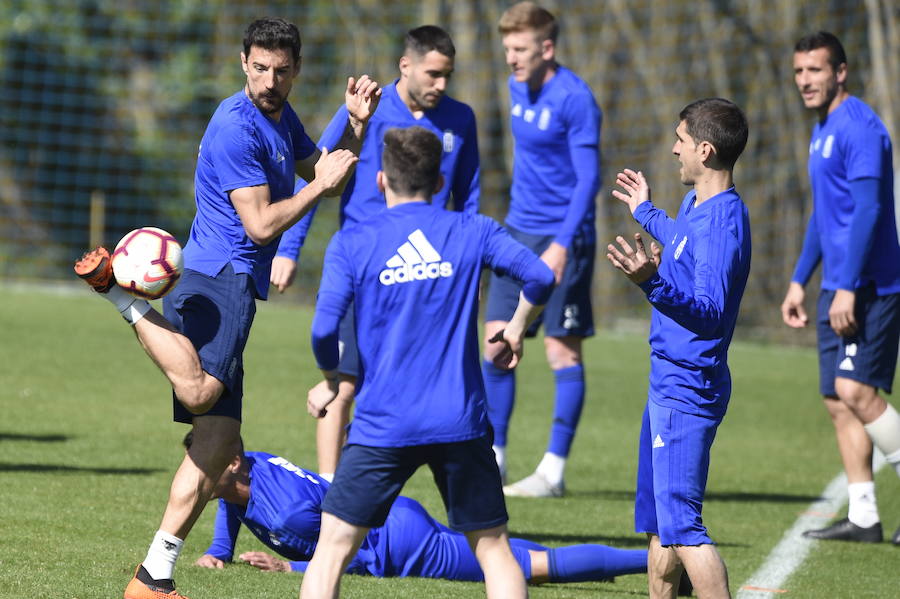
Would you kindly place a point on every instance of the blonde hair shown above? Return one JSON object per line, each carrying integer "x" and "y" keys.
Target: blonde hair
{"x": 528, "y": 16}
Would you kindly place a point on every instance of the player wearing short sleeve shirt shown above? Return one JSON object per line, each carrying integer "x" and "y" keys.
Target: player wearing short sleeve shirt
{"x": 413, "y": 272}
{"x": 556, "y": 162}
{"x": 853, "y": 233}
{"x": 695, "y": 287}
{"x": 252, "y": 149}
{"x": 417, "y": 97}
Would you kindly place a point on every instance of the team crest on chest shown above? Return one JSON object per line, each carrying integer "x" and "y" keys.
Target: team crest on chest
{"x": 680, "y": 247}
{"x": 448, "y": 141}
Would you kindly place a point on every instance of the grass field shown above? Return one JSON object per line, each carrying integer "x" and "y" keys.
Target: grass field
{"x": 88, "y": 450}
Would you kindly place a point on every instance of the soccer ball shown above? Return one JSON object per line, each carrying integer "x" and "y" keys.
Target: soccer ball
{"x": 147, "y": 262}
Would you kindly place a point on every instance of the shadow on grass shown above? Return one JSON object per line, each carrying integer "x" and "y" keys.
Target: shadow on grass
{"x": 27, "y": 437}
{"x": 79, "y": 469}
{"x": 761, "y": 497}
{"x": 735, "y": 496}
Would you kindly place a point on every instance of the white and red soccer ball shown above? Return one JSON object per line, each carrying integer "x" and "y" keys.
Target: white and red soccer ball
{"x": 147, "y": 262}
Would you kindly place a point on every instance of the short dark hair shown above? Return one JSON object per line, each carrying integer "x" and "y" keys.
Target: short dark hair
{"x": 189, "y": 440}
{"x": 411, "y": 160}
{"x": 426, "y": 38}
{"x": 823, "y": 39}
{"x": 272, "y": 33}
{"x": 719, "y": 122}
{"x": 526, "y": 16}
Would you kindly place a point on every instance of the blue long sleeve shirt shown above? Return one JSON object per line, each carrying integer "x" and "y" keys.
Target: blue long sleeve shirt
{"x": 454, "y": 124}
{"x": 556, "y": 160}
{"x": 413, "y": 273}
{"x": 696, "y": 296}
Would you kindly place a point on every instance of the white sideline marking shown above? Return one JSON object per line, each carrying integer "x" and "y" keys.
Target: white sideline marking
{"x": 790, "y": 553}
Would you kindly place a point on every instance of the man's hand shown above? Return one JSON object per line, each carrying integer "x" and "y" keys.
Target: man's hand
{"x": 320, "y": 396}
{"x": 265, "y": 562}
{"x": 792, "y": 312}
{"x": 508, "y": 357}
{"x": 637, "y": 191}
{"x": 555, "y": 257}
{"x": 331, "y": 170}
{"x": 361, "y": 98}
{"x": 635, "y": 263}
{"x": 283, "y": 272}
{"x": 841, "y": 313}
{"x": 208, "y": 561}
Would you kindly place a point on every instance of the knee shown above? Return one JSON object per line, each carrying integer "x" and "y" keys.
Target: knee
{"x": 855, "y": 395}
{"x": 562, "y": 352}
{"x": 199, "y": 396}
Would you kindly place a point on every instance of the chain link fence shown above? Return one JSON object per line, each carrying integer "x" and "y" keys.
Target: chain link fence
{"x": 104, "y": 104}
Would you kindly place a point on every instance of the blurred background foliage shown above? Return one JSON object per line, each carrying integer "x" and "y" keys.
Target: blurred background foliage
{"x": 109, "y": 98}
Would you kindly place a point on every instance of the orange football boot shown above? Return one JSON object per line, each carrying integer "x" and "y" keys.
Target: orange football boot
{"x": 141, "y": 590}
{"x": 95, "y": 267}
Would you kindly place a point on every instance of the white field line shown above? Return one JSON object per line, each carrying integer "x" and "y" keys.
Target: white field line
{"x": 768, "y": 581}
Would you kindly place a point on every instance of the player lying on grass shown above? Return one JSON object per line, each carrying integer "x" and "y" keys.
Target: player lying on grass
{"x": 281, "y": 504}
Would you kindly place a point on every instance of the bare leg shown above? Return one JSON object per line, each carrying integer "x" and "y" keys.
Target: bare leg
{"x": 503, "y": 578}
{"x": 216, "y": 442}
{"x": 331, "y": 431}
{"x": 338, "y": 543}
{"x": 176, "y": 357}
{"x": 663, "y": 569}
{"x": 706, "y": 569}
{"x": 853, "y": 443}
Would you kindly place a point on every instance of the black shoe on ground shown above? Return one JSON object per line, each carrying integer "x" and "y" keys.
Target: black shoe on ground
{"x": 896, "y": 538}
{"x": 844, "y": 530}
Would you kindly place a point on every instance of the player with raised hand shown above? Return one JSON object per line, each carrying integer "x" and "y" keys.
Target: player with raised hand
{"x": 412, "y": 272}
{"x": 695, "y": 287}
{"x": 417, "y": 97}
{"x": 853, "y": 233}
{"x": 249, "y": 155}
{"x": 556, "y": 174}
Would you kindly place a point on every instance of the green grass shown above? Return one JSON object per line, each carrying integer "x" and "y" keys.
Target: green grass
{"x": 88, "y": 450}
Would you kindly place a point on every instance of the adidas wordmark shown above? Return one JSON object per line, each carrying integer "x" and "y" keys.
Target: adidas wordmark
{"x": 415, "y": 260}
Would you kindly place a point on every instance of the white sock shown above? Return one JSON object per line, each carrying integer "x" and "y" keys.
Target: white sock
{"x": 164, "y": 550}
{"x": 863, "y": 508}
{"x": 329, "y": 476}
{"x": 500, "y": 456}
{"x": 552, "y": 467}
{"x": 131, "y": 308}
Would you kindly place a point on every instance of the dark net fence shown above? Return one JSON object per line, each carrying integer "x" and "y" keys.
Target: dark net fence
{"x": 104, "y": 104}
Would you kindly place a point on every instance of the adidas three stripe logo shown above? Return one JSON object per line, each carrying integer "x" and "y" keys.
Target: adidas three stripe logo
{"x": 415, "y": 260}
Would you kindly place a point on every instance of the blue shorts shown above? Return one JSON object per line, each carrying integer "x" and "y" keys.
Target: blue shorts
{"x": 215, "y": 313}
{"x": 369, "y": 479}
{"x": 568, "y": 311}
{"x": 869, "y": 356}
{"x": 349, "y": 351}
{"x": 673, "y": 464}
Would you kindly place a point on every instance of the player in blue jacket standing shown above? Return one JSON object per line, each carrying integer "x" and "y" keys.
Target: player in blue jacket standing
{"x": 555, "y": 125}
{"x": 853, "y": 233}
{"x": 413, "y": 273}
{"x": 695, "y": 287}
{"x": 417, "y": 97}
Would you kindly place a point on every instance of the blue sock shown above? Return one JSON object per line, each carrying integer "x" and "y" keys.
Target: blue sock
{"x": 567, "y": 410}
{"x": 582, "y": 563}
{"x": 500, "y": 386}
